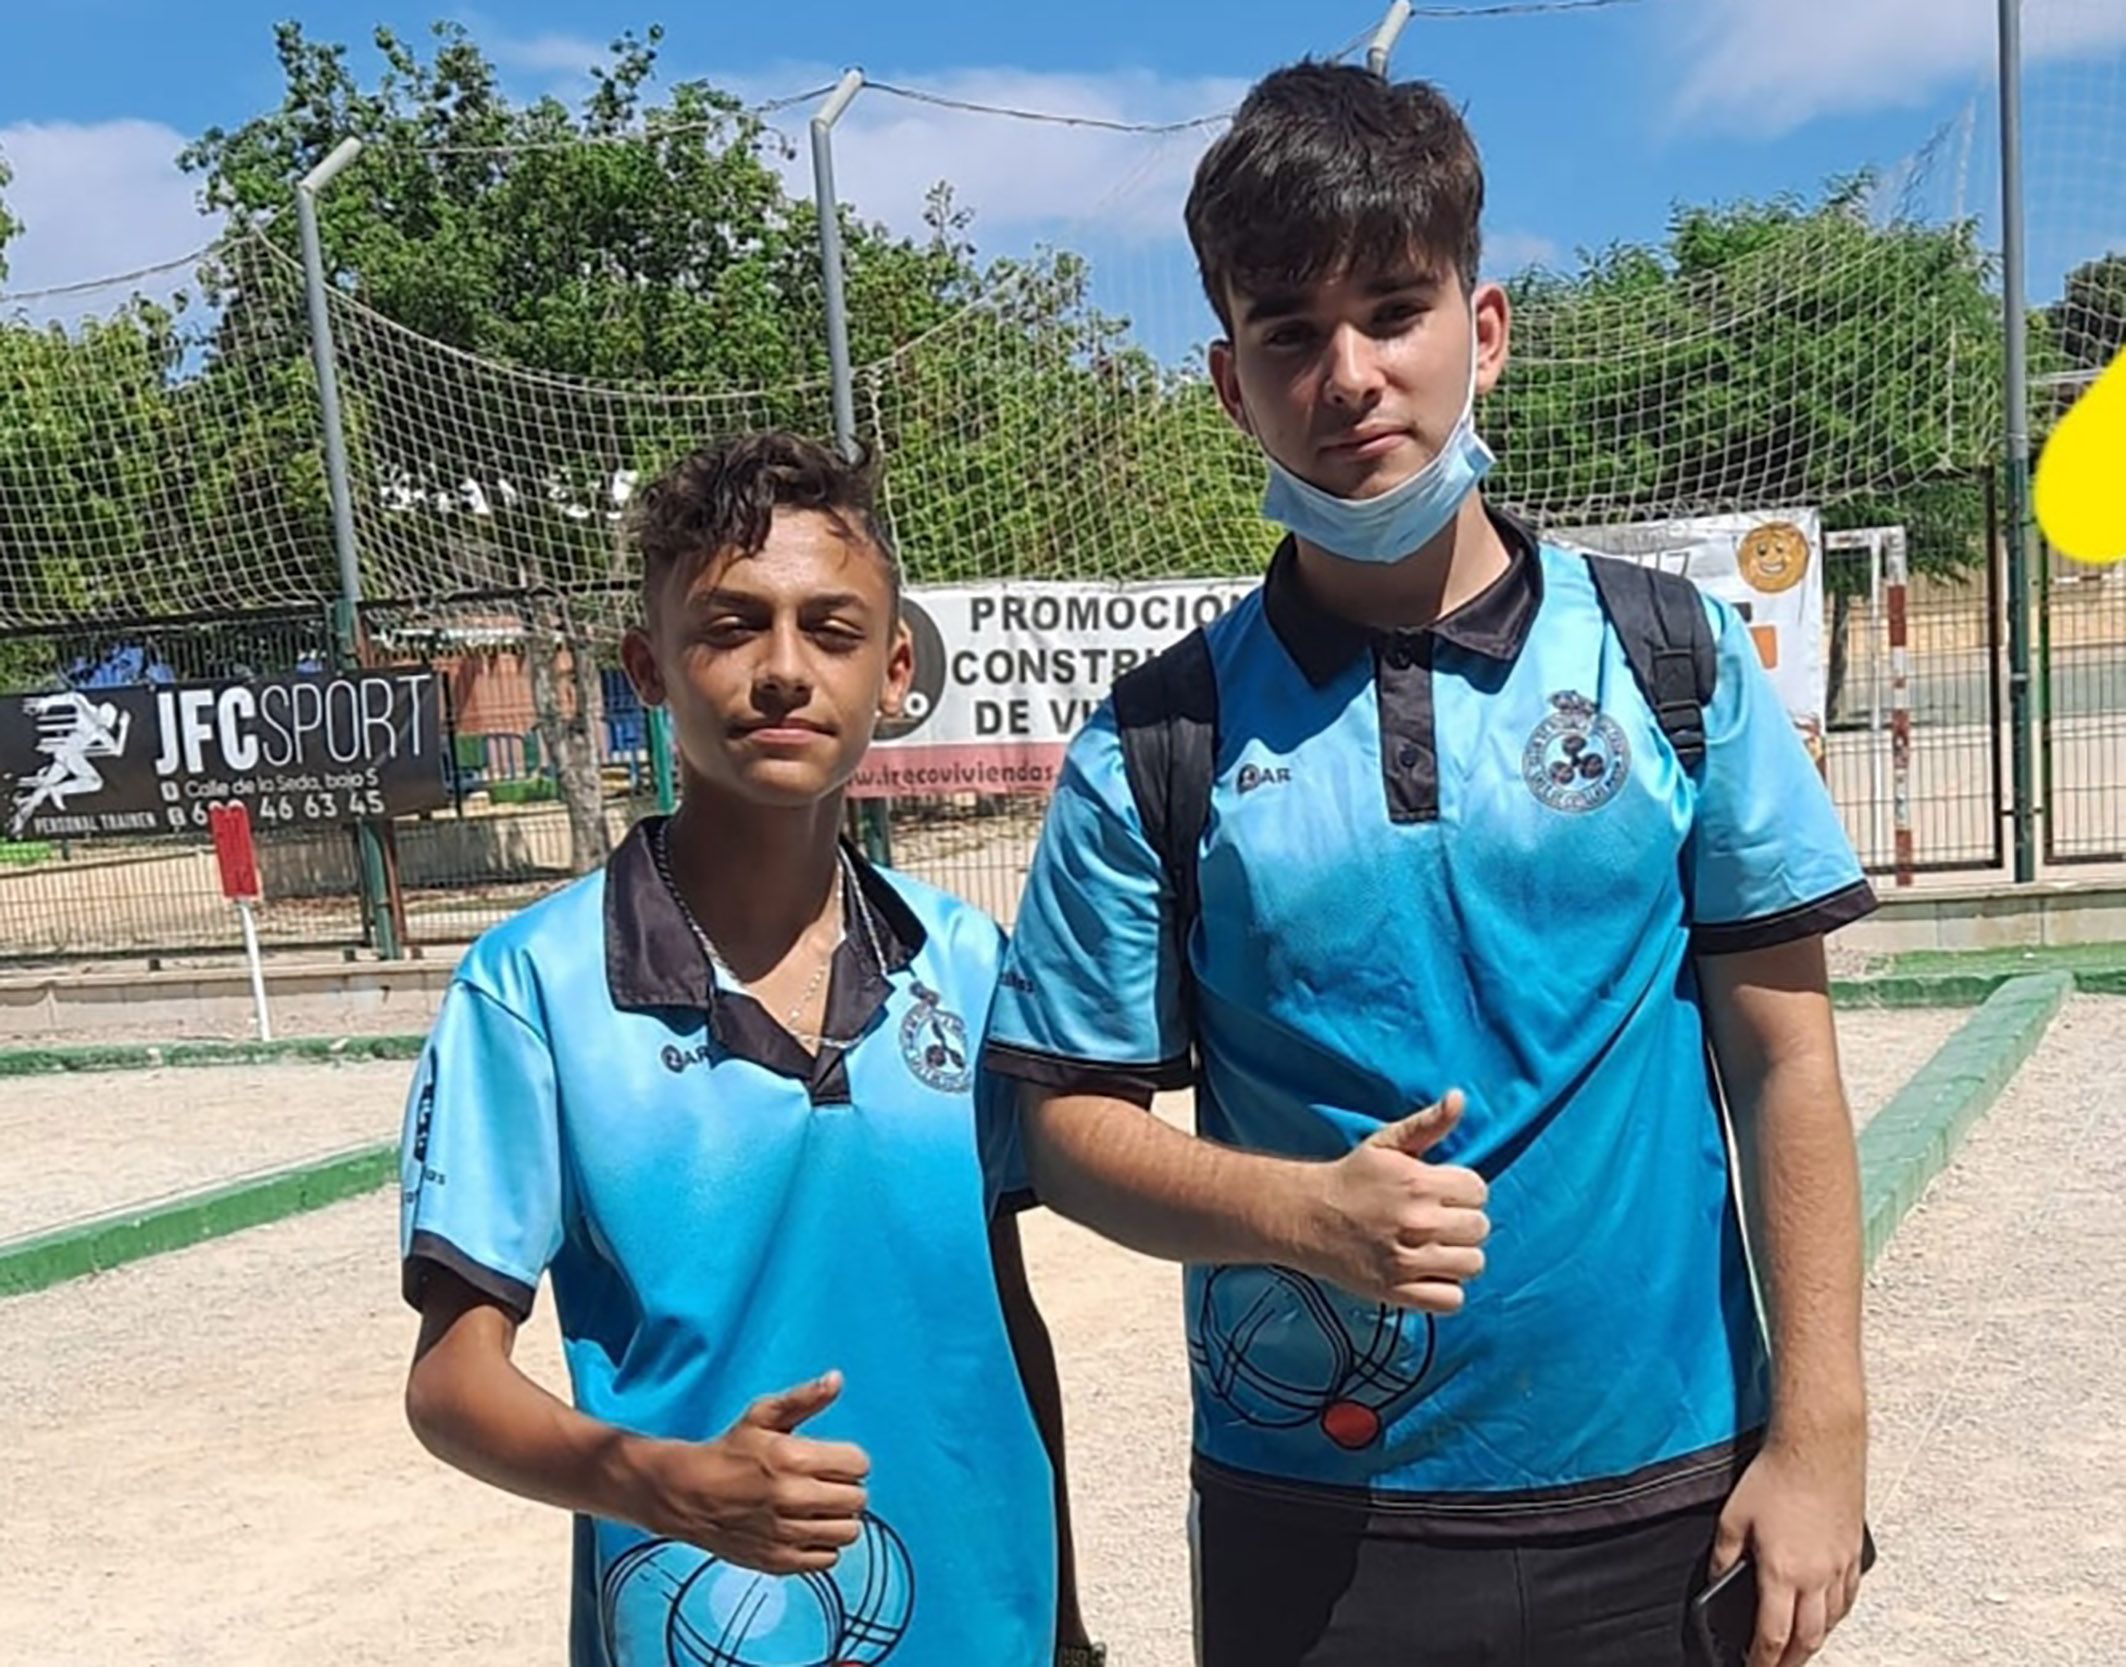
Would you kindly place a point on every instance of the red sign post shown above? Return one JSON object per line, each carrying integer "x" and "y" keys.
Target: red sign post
{"x": 234, "y": 853}
{"x": 237, "y": 858}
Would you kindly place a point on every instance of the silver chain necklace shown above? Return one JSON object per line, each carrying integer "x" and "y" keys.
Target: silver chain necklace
{"x": 844, "y": 878}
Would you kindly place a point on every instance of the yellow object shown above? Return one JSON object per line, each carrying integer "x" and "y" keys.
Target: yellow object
{"x": 2080, "y": 492}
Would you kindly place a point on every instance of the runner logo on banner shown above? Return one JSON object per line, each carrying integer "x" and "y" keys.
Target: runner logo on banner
{"x": 1005, "y": 675}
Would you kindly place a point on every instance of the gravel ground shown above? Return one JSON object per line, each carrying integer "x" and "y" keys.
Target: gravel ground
{"x": 183, "y": 1505}
{"x": 103, "y": 1140}
{"x": 1994, "y": 1326}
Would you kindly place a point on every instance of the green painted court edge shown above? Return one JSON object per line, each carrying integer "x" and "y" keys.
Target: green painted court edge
{"x": 1902, "y": 990}
{"x": 1902, "y": 1148}
{"x": 154, "y": 1056}
{"x": 110, "y": 1241}
{"x": 1911, "y": 1140}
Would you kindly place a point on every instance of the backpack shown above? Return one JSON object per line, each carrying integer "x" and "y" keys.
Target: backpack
{"x": 1166, "y": 716}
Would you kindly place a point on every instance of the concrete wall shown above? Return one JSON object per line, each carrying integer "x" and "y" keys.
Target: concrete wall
{"x": 1992, "y": 917}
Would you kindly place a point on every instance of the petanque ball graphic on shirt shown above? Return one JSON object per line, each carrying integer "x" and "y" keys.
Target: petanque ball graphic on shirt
{"x": 1283, "y": 1351}
{"x": 668, "y": 1604}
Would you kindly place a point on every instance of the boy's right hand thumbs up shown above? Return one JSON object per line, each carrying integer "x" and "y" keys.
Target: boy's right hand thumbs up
{"x": 1396, "y": 1227}
{"x": 761, "y": 1495}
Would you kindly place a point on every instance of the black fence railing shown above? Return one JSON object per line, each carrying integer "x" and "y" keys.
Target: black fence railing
{"x": 2080, "y": 677}
{"x": 1952, "y": 804}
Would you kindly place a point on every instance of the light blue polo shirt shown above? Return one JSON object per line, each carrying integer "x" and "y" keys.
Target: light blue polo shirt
{"x": 723, "y": 1215}
{"x": 1462, "y": 857}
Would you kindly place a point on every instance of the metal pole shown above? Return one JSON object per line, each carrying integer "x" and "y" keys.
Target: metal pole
{"x": 830, "y": 257}
{"x": 2017, "y": 529}
{"x": 258, "y": 976}
{"x": 328, "y": 386}
{"x": 1875, "y": 659}
{"x": 375, "y": 893}
{"x": 1900, "y": 708}
{"x": 872, "y": 817}
{"x": 1385, "y": 37}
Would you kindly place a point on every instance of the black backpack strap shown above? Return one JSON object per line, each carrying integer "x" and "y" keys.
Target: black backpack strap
{"x": 1166, "y": 715}
{"x": 1659, "y": 619}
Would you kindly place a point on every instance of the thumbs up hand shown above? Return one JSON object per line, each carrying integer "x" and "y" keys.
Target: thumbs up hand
{"x": 1393, "y": 1226}
{"x": 760, "y": 1495}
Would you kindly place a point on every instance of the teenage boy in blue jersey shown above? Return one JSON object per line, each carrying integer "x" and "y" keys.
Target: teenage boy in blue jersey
{"x": 1481, "y": 1382}
{"x": 724, "y": 1094}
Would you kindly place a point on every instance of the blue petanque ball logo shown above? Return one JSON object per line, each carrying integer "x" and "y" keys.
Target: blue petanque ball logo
{"x": 668, "y": 1604}
{"x": 1283, "y": 1351}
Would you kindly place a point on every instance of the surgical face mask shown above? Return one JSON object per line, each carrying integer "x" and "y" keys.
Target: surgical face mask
{"x": 1402, "y": 520}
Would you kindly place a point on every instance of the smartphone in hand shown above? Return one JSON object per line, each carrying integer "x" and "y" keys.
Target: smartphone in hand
{"x": 1723, "y": 1617}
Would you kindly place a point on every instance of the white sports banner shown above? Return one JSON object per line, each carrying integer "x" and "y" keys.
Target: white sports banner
{"x": 1006, "y": 674}
{"x": 1768, "y": 566}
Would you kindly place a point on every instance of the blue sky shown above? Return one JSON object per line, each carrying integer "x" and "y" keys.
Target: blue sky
{"x": 1591, "y": 124}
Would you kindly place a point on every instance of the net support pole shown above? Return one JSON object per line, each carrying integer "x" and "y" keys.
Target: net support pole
{"x": 2015, "y": 304}
{"x": 875, "y": 828}
{"x": 830, "y": 257}
{"x": 1382, "y": 47}
{"x": 376, "y": 907}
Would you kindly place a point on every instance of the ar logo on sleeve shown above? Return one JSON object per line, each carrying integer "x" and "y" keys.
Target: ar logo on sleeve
{"x": 423, "y": 1122}
{"x": 1577, "y": 759}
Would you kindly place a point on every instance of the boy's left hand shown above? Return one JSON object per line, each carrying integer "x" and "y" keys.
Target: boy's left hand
{"x": 1798, "y": 1512}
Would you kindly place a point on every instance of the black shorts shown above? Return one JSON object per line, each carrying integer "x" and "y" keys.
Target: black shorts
{"x": 1278, "y": 1590}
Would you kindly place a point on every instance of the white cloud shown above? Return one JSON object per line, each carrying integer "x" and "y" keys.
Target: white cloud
{"x": 1508, "y": 252}
{"x": 97, "y": 200}
{"x": 547, "y": 54}
{"x": 1014, "y": 174}
{"x": 1768, "y": 66}
{"x": 889, "y": 151}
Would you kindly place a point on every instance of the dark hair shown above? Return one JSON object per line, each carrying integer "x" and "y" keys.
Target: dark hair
{"x": 1327, "y": 166}
{"x": 723, "y": 498}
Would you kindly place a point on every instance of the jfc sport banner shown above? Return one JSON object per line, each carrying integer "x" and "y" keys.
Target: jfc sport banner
{"x": 148, "y": 758}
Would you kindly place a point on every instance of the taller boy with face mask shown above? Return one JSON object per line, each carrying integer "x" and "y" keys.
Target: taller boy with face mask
{"x": 1483, "y": 1381}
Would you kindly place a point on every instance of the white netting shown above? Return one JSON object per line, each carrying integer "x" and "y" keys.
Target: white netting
{"x": 1048, "y": 417}
{"x": 1766, "y": 356}
{"x": 2074, "y": 120}
{"x": 472, "y": 479}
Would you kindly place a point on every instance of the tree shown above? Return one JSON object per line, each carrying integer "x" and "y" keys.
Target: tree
{"x": 624, "y": 242}
{"x": 10, "y": 227}
{"x": 652, "y": 247}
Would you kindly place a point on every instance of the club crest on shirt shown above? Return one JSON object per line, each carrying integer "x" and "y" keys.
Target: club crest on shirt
{"x": 934, "y": 1045}
{"x": 1577, "y": 758}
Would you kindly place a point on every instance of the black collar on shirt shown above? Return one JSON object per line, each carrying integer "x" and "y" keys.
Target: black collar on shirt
{"x": 1493, "y": 623}
{"x": 653, "y": 960}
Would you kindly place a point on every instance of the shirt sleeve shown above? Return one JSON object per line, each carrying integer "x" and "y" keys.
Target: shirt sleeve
{"x": 1090, "y": 994}
{"x": 480, "y": 1158}
{"x": 1006, "y": 1186}
{"x": 1768, "y": 860}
